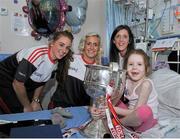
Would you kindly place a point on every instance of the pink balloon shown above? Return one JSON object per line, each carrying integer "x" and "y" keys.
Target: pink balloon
{"x": 57, "y": 25}
{"x": 63, "y": 19}
{"x": 25, "y": 9}
{"x": 63, "y": 10}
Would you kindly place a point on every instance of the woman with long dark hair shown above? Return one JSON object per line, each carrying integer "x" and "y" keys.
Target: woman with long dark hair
{"x": 122, "y": 41}
{"x": 24, "y": 74}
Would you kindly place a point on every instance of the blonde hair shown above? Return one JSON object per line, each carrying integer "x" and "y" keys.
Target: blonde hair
{"x": 82, "y": 44}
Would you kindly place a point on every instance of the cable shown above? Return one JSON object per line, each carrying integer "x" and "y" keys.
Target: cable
{"x": 160, "y": 19}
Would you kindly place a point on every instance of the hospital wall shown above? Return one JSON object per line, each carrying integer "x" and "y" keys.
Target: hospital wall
{"x": 11, "y": 41}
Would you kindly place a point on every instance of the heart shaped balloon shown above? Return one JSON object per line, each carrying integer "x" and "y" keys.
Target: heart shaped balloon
{"x": 46, "y": 16}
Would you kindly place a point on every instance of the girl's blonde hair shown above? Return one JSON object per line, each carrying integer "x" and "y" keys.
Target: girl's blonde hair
{"x": 82, "y": 44}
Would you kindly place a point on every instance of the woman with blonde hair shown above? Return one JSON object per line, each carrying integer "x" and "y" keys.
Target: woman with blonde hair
{"x": 72, "y": 92}
{"x": 82, "y": 46}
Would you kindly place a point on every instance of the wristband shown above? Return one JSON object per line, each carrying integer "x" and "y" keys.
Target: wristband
{"x": 36, "y": 100}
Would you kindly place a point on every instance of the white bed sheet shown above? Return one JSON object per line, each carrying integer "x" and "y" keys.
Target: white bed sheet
{"x": 167, "y": 84}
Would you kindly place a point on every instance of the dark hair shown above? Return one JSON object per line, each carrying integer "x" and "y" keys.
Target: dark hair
{"x": 65, "y": 33}
{"x": 114, "y": 52}
{"x": 63, "y": 64}
{"x": 144, "y": 56}
{"x": 35, "y": 4}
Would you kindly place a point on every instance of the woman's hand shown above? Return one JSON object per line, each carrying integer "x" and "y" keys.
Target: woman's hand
{"x": 28, "y": 108}
{"x": 36, "y": 106}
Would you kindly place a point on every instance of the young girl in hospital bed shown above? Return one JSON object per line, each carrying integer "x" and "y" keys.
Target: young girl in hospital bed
{"x": 140, "y": 112}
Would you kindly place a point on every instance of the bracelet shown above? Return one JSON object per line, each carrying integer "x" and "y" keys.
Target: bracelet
{"x": 36, "y": 100}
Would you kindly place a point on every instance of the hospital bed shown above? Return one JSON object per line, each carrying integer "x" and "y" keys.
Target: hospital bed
{"x": 167, "y": 45}
{"x": 167, "y": 84}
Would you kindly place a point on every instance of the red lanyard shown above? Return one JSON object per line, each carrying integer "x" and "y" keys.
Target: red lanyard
{"x": 113, "y": 121}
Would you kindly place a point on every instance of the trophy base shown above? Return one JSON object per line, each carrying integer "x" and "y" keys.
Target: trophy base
{"x": 96, "y": 129}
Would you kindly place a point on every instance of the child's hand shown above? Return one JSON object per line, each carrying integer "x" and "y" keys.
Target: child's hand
{"x": 97, "y": 113}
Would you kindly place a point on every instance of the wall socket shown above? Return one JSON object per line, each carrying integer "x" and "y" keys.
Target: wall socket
{"x": 3, "y": 11}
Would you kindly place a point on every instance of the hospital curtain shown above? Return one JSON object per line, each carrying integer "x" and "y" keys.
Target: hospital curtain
{"x": 115, "y": 15}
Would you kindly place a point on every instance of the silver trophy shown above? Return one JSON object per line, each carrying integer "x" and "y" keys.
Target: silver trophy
{"x": 97, "y": 78}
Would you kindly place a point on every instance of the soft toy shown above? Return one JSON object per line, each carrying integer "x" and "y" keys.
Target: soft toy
{"x": 59, "y": 116}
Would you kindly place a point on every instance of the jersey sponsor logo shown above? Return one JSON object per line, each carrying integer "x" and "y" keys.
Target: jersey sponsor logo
{"x": 77, "y": 68}
{"x": 74, "y": 69}
{"x": 41, "y": 63}
{"x": 38, "y": 74}
{"x": 22, "y": 74}
{"x": 78, "y": 72}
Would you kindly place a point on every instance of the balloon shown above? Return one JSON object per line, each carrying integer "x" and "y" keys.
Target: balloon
{"x": 25, "y": 9}
{"x": 63, "y": 10}
{"x": 46, "y": 16}
{"x": 77, "y": 16}
{"x": 76, "y": 29}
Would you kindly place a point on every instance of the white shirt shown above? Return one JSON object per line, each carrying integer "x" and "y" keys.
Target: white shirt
{"x": 152, "y": 100}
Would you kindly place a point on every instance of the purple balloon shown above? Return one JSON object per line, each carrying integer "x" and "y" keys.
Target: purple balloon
{"x": 46, "y": 16}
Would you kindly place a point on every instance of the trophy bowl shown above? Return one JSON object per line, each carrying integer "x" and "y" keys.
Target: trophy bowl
{"x": 96, "y": 79}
